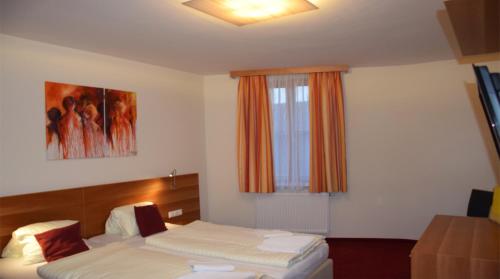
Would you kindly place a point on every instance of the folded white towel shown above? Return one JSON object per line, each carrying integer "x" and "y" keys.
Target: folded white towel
{"x": 296, "y": 244}
{"x": 220, "y": 275}
{"x": 277, "y": 234}
{"x": 210, "y": 266}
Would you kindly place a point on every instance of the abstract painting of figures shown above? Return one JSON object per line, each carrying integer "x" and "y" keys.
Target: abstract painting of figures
{"x": 82, "y": 122}
{"x": 121, "y": 115}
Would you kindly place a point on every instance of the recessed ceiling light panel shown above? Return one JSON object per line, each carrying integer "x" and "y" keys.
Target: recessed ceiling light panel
{"x": 242, "y": 12}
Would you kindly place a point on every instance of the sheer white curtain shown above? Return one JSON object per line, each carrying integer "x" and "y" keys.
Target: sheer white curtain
{"x": 289, "y": 96}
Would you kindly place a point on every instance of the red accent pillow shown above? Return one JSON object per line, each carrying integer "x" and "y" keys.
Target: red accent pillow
{"x": 149, "y": 220}
{"x": 61, "y": 242}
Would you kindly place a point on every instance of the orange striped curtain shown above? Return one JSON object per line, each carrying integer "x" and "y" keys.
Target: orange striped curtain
{"x": 327, "y": 136}
{"x": 255, "y": 156}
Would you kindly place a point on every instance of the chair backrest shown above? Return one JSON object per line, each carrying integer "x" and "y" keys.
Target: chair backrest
{"x": 479, "y": 203}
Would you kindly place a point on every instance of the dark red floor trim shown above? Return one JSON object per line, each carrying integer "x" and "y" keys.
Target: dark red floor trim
{"x": 366, "y": 258}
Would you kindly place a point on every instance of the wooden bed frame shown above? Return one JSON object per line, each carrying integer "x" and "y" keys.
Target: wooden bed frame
{"x": 92, "y": 205}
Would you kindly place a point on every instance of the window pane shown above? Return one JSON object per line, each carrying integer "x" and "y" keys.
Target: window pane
{"x": 279, "y": 95}
{"x": 302, "y": 94}
{"x": 282, "y": 95}
{"x": 290, "y": 112}
{"x": 276, "y": 95}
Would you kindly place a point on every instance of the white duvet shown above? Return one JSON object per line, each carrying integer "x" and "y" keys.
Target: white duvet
{"x": 121, "y": 261}
{"x": 118, "y": 261}
{"x": 227, "y": 242}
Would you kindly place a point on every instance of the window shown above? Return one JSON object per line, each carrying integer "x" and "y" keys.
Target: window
{"x": 302, "y": 94}
{"x": 279, "y": 95}
{"x": 290, "y": 120}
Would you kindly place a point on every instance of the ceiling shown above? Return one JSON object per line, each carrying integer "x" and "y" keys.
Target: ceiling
{"x": 167, "y": 33}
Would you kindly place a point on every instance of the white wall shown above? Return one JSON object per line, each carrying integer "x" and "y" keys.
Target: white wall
{"x": 417, "y": 142}
{"x": 226, "y": 204}
{"x": 170, "y": 128}
{"x": 416, "y": 145}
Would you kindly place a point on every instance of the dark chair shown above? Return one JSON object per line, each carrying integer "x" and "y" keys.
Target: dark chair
{"x": 479, "y": 203}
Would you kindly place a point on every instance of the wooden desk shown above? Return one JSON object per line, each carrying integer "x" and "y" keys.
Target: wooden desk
{"x": 455, "y": 247}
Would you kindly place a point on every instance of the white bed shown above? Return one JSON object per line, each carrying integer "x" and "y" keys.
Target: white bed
{"x": 14, "y": 269}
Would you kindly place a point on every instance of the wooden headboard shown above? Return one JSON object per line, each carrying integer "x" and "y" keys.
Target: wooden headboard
{"x": 92, "y": 205}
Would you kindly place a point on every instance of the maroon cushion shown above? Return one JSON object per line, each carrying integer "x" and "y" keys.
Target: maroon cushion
{"x": 149, "y": 220}
{"x": 61, "y": 242}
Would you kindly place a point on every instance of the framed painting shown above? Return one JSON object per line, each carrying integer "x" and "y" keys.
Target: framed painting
{"x": 89, "y": 122}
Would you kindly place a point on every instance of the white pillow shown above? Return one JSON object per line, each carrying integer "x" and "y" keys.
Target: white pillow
{"x": 13, "y": 249}
{"x": 121, "y": 220}
{"x": 32, "y": 252}
{"x": 24, "y": 244}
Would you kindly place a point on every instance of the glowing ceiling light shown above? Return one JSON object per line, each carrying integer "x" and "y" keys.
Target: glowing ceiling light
{"x": 242, "y": 12}
{"x": 258, "y": 8}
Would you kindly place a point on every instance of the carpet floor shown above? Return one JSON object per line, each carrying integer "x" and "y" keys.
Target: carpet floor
{"x": 360, "y": 258}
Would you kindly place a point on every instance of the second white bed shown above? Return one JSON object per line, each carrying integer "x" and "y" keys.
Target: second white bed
{"x": 300, "y": 270}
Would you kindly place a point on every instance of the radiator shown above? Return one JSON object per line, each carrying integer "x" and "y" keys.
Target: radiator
{"x": 297, "y": 212}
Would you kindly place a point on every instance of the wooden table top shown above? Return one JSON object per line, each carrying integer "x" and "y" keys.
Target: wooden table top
{"x": 454, "y": 246}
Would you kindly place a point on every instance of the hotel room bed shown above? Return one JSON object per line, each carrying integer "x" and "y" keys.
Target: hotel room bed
{"x": 14, "y": 268}
{"x": 91, "y": 206}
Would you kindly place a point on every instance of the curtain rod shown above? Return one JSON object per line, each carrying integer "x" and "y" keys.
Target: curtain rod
{"x": 284, "y": 71}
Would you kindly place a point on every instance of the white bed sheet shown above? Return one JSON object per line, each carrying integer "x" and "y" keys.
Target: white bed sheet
{"x": 231, "y": 243}
{"x": 14, "y": 269}
{"x": 299, "y": 270}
